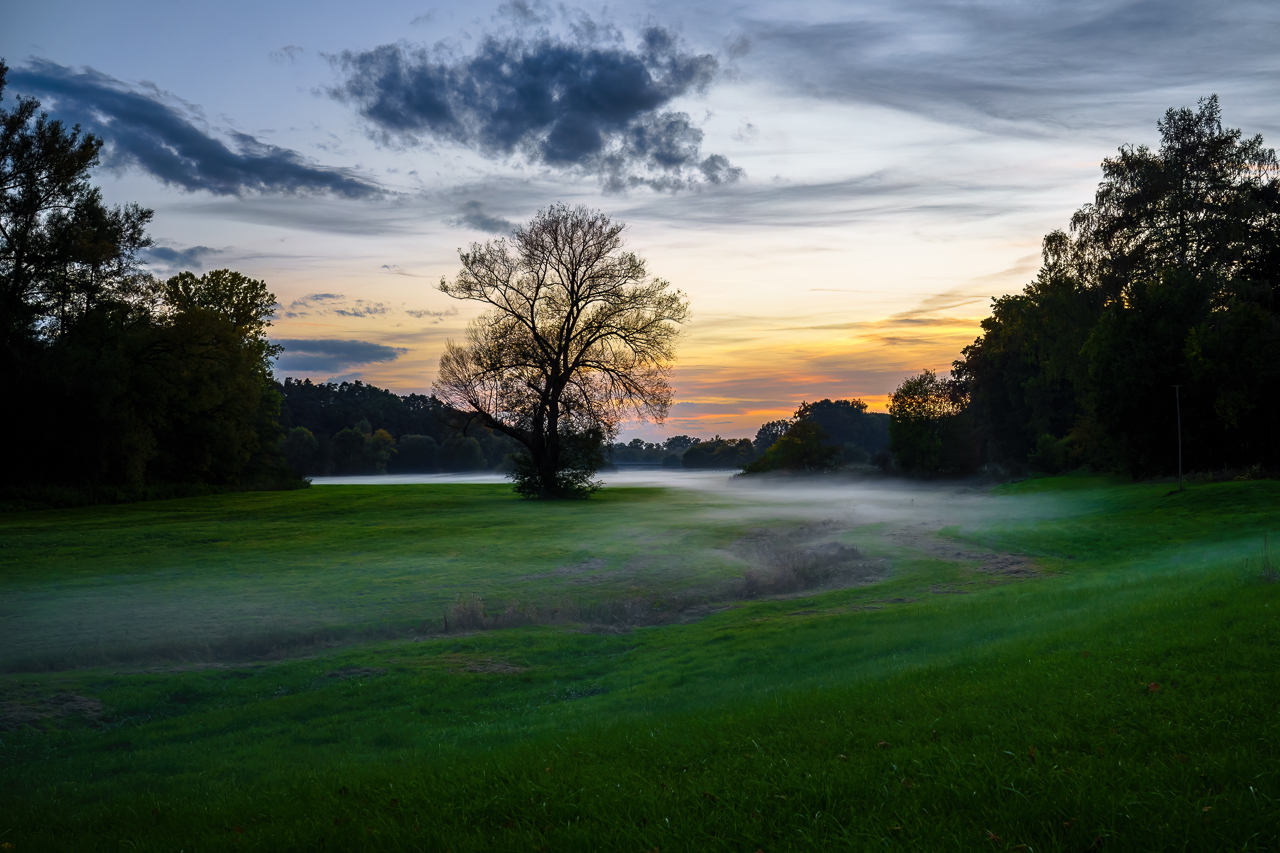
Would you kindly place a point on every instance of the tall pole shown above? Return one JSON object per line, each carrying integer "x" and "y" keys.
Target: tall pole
{"x": 1177, "y": 402}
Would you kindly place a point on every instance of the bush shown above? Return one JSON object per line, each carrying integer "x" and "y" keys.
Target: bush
{"x": 581, "y": 456}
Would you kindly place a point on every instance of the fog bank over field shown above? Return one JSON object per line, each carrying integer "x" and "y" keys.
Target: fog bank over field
{"x": 280, "y": 574}
{"x": 849, "y": 501}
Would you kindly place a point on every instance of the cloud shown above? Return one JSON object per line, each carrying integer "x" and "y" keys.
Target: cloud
{"x": 344, "y": 377}
{"x": 472, "y": 215}
{"x": 311, "y": 356}
{"x": 577, "y": 104}
{"x": 310, "y": 301}
{"x": 525, "y": 13}
{"x": 336, "y": 304}
{"x": 176, "y": 260}
{"x": 437, "y": 315}
{"x": 288, "y": 53}
{"x": 396, "y": 269}
{"x": 363, "y": 308}
{"x": 1024, "y": 68}
{"x": 144, "y": 130}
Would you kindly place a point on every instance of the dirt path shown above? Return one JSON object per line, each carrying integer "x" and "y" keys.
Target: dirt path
{"x": 922, "y": 536}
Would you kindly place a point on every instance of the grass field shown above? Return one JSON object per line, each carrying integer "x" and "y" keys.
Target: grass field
{"x": 1067, "y": 664}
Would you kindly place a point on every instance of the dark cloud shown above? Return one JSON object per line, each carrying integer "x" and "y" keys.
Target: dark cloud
{"x": 579, "y": 104}
{"x": 143, "y": 131}
{"x": 1029, "y": 67}
{"x": 308, "y": 356}
{"x": 472, "y": 215}
{"x": 176, "y": 260}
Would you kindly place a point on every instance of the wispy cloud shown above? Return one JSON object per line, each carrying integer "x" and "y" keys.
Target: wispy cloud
{"x": 436, "y": 315}
{"x": 473, "y": 215}
{"x": 314, "y": 356}
{"x": 396, "y": 269}
{"x": 1023, "y": 68}
{"x": 288, "y": 53}
{"x": 316, "y": 305}
{"x": 147, "y": 131}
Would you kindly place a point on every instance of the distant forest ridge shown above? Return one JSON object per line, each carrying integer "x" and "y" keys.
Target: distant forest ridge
{"x": 352, "y": 428}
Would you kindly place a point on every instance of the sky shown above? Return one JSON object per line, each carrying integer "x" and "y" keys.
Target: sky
{"x": 839, "y": 188}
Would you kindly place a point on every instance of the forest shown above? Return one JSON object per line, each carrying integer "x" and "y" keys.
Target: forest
{"x": 120, "y": 385}
{"x": 1153, "y": 317}
{"x": 355, "y": 428}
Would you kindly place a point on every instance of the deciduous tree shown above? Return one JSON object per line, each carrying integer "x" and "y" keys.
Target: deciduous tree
{"x": 576, "y": 336}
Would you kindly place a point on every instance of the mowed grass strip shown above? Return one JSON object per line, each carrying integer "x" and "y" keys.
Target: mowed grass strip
{"x": 1127, "y": 704}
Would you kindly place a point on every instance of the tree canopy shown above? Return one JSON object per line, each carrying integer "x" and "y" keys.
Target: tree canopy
{"x": 1169, "y": 277}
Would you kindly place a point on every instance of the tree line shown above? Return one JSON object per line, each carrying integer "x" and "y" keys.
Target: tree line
{"x": 117, "y": 380}
{"x": 820, "y": 436}
{"x": 1159, "y": 302}
{"x": 353, "y": 428}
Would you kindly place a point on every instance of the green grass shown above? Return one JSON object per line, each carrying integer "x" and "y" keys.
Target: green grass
{"x": 258, "y": 570}
{"x": 1020, "y": 716}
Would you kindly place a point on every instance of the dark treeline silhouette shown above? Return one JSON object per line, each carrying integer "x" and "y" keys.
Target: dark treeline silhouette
{"x": 119, "y": 385}
{"x": 1169, "y": 278}
{"x": 719, "y": 453}
{"x": 354, "y": 428}
{"x": 682, "y": 451}
{"x": 638, "y": 452}
{"x": 822, "y": 436}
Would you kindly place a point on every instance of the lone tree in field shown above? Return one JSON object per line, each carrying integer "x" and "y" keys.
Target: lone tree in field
{"x": 576, "y": 338}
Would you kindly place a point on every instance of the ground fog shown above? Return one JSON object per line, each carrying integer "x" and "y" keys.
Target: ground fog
{"x": 275, "y": 575}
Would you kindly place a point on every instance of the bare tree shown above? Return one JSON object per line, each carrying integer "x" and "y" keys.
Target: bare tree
{"x": 577, "y": 337}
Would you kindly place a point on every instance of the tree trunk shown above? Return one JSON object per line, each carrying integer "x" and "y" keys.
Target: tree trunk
{"x": 549, "y": 464}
